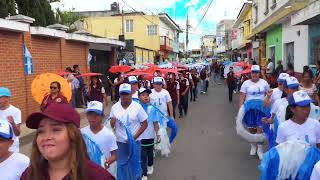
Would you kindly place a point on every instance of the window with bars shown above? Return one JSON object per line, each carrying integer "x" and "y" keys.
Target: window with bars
{"x": 129, "y": 25}
{"x": 267, "y": 7}
{"x": 255, "y": 14}
{"x": 152, "y": 30}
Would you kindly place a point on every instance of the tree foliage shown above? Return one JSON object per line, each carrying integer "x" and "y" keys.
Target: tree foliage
{"x": 67, "y": 18}
{"x": 7, "y": 7}
{"x": 40, "y": 10}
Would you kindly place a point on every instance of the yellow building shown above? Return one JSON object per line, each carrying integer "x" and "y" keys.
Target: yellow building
{"x": 142, "y": 29}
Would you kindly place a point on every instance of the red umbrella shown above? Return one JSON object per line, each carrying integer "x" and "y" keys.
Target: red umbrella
{"x": 89, "y": 74}
{"x": 180, "y": 66}
{"x": 246, "y": 71}
{"x": 138, "y": 73}
{"x": 175, "y": 71}
{"x": 150, "y": 65}
{"x": 243, "y": 64}
{"x": 116, "y": 69}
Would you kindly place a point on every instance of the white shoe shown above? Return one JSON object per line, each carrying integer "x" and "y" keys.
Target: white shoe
{"x": 144, "y": 178}
{"x": 260, "y": 152}
{"x": 253, "y": 150}
{"x": 150, "y": 170}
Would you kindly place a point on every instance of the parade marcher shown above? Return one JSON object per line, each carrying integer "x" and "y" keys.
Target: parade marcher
{"x": 191, "y": 83}
{"x": 12, "y": 115}
{"x": 317, "y": 78}
{"x": 195, "y": 78}
{"x": 203, "y": 77}
{"x": 173, "y": 88}
{"x": 97, "y": 91}
{"x": 253, "y": 89}
{"x": 100, "y": 134}
{"x": 290, "y": 69}
{"x": 79, "y": 92}
{"x": 215, "y": 70}
{"x": 207, "y": 81}
{"x": 133, "y": 81}
{"x": 308, "y": 86}
{"x": 316, "y": 172}
{"x": 298, "y": 127}
{"x": 129, "y": 120}
{"x": 276, "y": 93}
{"x": 184, "y": 95}
{"x": 148, "y": 136}
{"x": 55, "y": 96}
{"x": 12, "y": 165}
{"x": 231, "y": 83}
{"x": 116, "y": 83}
{"x": 161, "y": 98}
{"x": 58, "y": 150}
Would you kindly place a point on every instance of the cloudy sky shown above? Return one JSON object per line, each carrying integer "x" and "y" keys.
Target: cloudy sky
{"x": 177, "y": 9}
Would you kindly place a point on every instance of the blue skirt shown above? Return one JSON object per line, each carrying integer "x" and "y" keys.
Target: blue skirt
{"x": 125, "y": 171}
{"x": 252, "y": 118}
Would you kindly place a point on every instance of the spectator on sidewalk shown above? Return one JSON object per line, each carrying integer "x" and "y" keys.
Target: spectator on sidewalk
{"x": 12, "y": 115}
{"x": 100, "y": 134}
{"x": 79, "y": 91}
{"x": 317, "y": 78}
{"x": 117, "y": 82}
{"x": 58, "y": 149}
{"x": 55, "y": 96}
{"x": 74, "y": 84}
{"x": 97, "y": 91}
{"x": 270, "y": 67}
{"x": 308, "y": 86}
{"x": 279, "y": 68}
{"x": 290, "y": 69}
{"x": 12, "y": 165}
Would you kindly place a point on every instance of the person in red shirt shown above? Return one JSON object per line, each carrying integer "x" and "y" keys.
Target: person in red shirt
{"x": 55, "y": 96}
{"x": 58, "y": 149}
{"x": 173, "y": 88}
{"x": 184, "y": 95}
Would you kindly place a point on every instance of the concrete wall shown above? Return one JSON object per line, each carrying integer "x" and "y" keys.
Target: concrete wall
{"x": 274, "y": 38}
{"x": 299, "y": 36}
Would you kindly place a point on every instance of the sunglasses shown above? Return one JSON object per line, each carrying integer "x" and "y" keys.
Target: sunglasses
{"x": 52, "y": 87}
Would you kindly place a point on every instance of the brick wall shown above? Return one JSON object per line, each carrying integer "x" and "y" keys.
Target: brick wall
{"x": 49, "y": 55}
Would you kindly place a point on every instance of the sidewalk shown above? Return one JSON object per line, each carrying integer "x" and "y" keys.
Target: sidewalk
{"x": 27, "y": 134}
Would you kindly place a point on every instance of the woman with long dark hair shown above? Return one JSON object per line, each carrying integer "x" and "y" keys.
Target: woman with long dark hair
{"x": 308, "y": 86}
{"x": 58, "y": 150}
{"x": 55, "y": 96}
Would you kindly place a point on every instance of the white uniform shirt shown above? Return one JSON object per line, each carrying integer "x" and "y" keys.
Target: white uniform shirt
{"x": 270, "y": 68}
{"x": 105, "y": 139}
{"x": 13, "y": 167}
{"x": 160, "y": 99}
{"x": 316, "y": 172}
{"x": 16, "y": 114}
{"x": 276, "y": 94}
{"x": 308, "y": 132}
{"x": 255, "y": 90}
{"x": 132, "y": 117}
{"x": 135, "y": 95}
{"x": 149, "y": 133}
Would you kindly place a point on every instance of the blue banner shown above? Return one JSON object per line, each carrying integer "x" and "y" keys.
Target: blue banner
{"x": 27, "y": 58}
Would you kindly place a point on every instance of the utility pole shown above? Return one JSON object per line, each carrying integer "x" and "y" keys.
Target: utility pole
{"x": 187, "y": 32}
{"x": 122, "y": 15}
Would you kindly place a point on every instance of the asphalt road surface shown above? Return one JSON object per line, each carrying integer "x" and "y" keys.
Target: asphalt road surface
{"x": 207, "y": 147}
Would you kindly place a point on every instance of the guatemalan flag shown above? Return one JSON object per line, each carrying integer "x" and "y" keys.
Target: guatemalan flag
{"x": 27, "y": 58}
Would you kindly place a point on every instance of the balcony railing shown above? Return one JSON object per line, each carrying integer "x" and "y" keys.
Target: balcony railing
{"x": 166, "y": 44}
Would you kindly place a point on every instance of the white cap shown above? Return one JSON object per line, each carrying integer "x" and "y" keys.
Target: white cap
{"x": 6, "y": 131}
{"x": 132, "y": 79}
{"x": 95, "y": 106}
{"x": 255, "y": 68}
{"x": 300, "y": 98}
{"x": 292, "y": 82}
{"x": 157, "y": 80}
{"x": 125, "y": 88}
{"x": 283, "y": 76}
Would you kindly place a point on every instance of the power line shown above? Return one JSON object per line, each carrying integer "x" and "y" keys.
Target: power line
{"x": 204, "y": 14}
{"x": 138, "y": 2}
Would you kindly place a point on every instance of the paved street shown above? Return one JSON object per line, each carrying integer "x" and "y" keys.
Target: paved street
{"x": 207, "y": 147}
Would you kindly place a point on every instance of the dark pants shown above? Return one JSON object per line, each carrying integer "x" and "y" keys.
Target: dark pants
{"x": 174, "y": 106}
{"x": 146, "y": 155}
{"x": 206, "y": 86}
{"x": 193, "y": 93}
{"x": 79, "y": 97}
{"x": 183, "y": 106}
{"x": 231, "y": 89}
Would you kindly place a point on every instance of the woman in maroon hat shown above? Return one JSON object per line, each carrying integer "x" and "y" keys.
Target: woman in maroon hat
{"x": 58, "y": 150}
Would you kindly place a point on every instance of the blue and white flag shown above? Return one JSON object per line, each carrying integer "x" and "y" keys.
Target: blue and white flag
{"x": 27, "y": 58}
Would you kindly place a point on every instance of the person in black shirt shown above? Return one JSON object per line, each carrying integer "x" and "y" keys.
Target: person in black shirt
{"x": 231, "y": 82}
